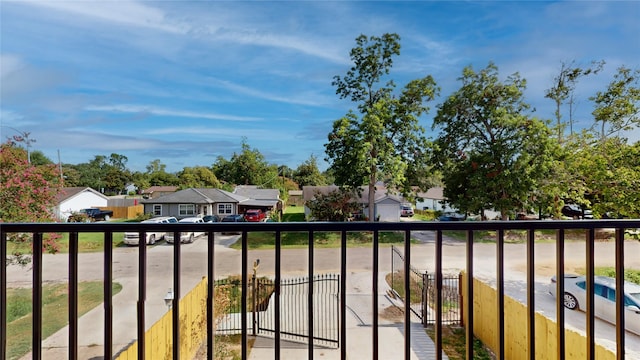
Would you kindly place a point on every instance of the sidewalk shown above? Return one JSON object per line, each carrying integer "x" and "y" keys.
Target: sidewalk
{"x": 359, "y": 330}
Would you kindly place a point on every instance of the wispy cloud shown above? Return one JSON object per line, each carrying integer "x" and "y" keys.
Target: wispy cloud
{"x": 159, "y": 111}
{"x": 130, "y": 13}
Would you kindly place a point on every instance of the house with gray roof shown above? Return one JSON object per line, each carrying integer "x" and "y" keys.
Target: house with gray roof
{"x": 205, "y": 201}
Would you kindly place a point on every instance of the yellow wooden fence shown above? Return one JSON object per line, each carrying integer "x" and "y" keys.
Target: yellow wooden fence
{"x": 485, "y": 325}
{"x": 193, "y": 329}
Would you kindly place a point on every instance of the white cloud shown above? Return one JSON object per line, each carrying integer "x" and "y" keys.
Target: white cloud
{"x": 123, "y": 12}
{"x": 147, "y": 109}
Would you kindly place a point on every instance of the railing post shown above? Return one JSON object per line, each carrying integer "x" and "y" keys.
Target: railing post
{"x": 254, "y": 295}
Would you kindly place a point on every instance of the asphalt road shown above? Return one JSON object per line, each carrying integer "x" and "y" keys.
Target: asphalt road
{"x": 295, "y": 262}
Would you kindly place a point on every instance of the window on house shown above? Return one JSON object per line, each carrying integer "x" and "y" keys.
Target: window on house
{"x": 157, "y": 210}
{"x": 186, "y": 209}
{"x": 224, "y": 209}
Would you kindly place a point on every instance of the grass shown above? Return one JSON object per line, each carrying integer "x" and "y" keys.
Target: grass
{"x": 518, "y": 236}
{"x": 293, "y": 214}
{"x": 55, "y": 310}
{"x": 396, "y": 281}
{"x": 293, "y": 240}
{"x": 87, "y": 242}
{"x": 454, "y": 344}
{"x": 630, "y": 275}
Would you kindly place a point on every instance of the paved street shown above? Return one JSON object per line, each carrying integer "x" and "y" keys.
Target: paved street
{"x": 295, "y": 262}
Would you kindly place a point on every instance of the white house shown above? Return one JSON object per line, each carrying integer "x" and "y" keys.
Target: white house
{"x": 72, "y": 199}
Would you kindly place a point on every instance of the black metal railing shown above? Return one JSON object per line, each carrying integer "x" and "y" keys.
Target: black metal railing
{"x": 36, "y": 231}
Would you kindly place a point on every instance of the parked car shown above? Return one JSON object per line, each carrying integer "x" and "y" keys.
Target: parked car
{"x": 575, "y": 297}
{"x": 451, "y": 216}
{"x": 90, "y": 214}
{"x": 186, "y": 236}
{"x": 254, "y": 215}
{"x": 232, "y": 218}
{"x": 211, "y": 218}
{"x": 576, "y": 212}
{"x": 133, "y": 238}
{"x": 406, "y": 211}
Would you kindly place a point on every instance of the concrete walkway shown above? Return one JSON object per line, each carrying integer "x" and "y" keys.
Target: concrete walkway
{"x": 359, "y": 329}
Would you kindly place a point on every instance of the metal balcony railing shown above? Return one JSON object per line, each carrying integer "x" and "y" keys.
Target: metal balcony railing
{"x": 36, "y": 230}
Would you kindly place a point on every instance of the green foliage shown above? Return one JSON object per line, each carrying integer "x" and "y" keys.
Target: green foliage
{"x": 338, "y": 205}
{"x": 308, "y": 174}
{"x": 563, "y": 89}
{"x": 54, "y": 310}
{"x": 617, "y": 109}
{"x": 490, "y": 154}
{"x": 197, "y": 177}
{"x": 386, "y": 143}
{"x": 249, "y": 167}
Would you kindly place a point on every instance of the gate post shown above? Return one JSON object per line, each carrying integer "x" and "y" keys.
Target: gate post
{"x": 425, "y": 298}
{"x": 255, "y": 295}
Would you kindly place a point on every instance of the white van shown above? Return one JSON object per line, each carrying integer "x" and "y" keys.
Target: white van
{"x": 132, "y": 238}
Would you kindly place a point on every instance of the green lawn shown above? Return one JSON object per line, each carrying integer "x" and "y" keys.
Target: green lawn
{"x": 267, "y": 240}
{"x": 55, "y": 310}
{"x": 87, "y": 242}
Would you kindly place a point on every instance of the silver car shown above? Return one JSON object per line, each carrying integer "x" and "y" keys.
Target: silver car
{"x": 575, "y": 297}
{"x": 187, "y": 236}
{"x": 132, "y": 238}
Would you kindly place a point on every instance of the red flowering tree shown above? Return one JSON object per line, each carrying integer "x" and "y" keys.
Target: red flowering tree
{"x": 27, "y": 194}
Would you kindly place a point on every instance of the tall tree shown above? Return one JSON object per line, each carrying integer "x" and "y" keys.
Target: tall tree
{"x": 563, "y": 89}
{"x": 385, "y": 141}
{"x": 490, "y": 153}
{"x": 308, "y": 174}
{"x": 198, "y": 177}
{"x": 157, "y": 175}
{"x": 248, "y": 167}
{"x": 617, "y": 109}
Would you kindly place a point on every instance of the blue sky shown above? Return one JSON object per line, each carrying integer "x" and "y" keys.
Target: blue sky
{"x": 185, "y": 81}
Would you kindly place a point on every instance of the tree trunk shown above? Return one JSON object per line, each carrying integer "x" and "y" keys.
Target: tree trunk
{"x": 372, "y": 195}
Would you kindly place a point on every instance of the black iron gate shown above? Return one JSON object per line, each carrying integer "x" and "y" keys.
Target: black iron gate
{"x": 422, "y": 287}
{"x": 294, "y": 309}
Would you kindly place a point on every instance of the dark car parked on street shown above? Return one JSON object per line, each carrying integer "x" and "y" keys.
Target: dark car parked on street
{"x": 233, "y": 218}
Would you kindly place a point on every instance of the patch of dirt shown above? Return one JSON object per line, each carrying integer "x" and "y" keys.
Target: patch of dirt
{"x": 393, "y": 313}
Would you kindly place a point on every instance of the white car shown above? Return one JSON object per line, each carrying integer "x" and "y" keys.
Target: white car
{"x": 188, "y": 236}
{"x": 575, "y": 297}
{"x": 133, "y": 238}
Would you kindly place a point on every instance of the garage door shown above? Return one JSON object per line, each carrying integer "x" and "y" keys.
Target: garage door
{"x": 389, "y": 212}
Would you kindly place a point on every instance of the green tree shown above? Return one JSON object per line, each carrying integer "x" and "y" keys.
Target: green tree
{"x": 249, "y": 167}
{"x": 28, "y": 194}
{"x": 563, "y": 89}
{"x": 308, "y": 174}
{"x": 337, "y": 205}
{"x": 198, "y": 177}
{"x": 490, "y": 153}
{"x": 617, "y": 109}
{"x": 386, "y": 142}
{"x": 39, "y": 158}
{"x": 610, "y": 170}
{"x": 156, "y": 175}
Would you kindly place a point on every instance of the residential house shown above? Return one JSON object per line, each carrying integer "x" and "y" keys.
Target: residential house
{"x": 267, "y": 200}
{"x": 387, "y": 206}
{"x": 71, "y": 199}
{"x": 433, "y": 199}
{"x": 157, "y": 191}
{"x": 203, "y": 201}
